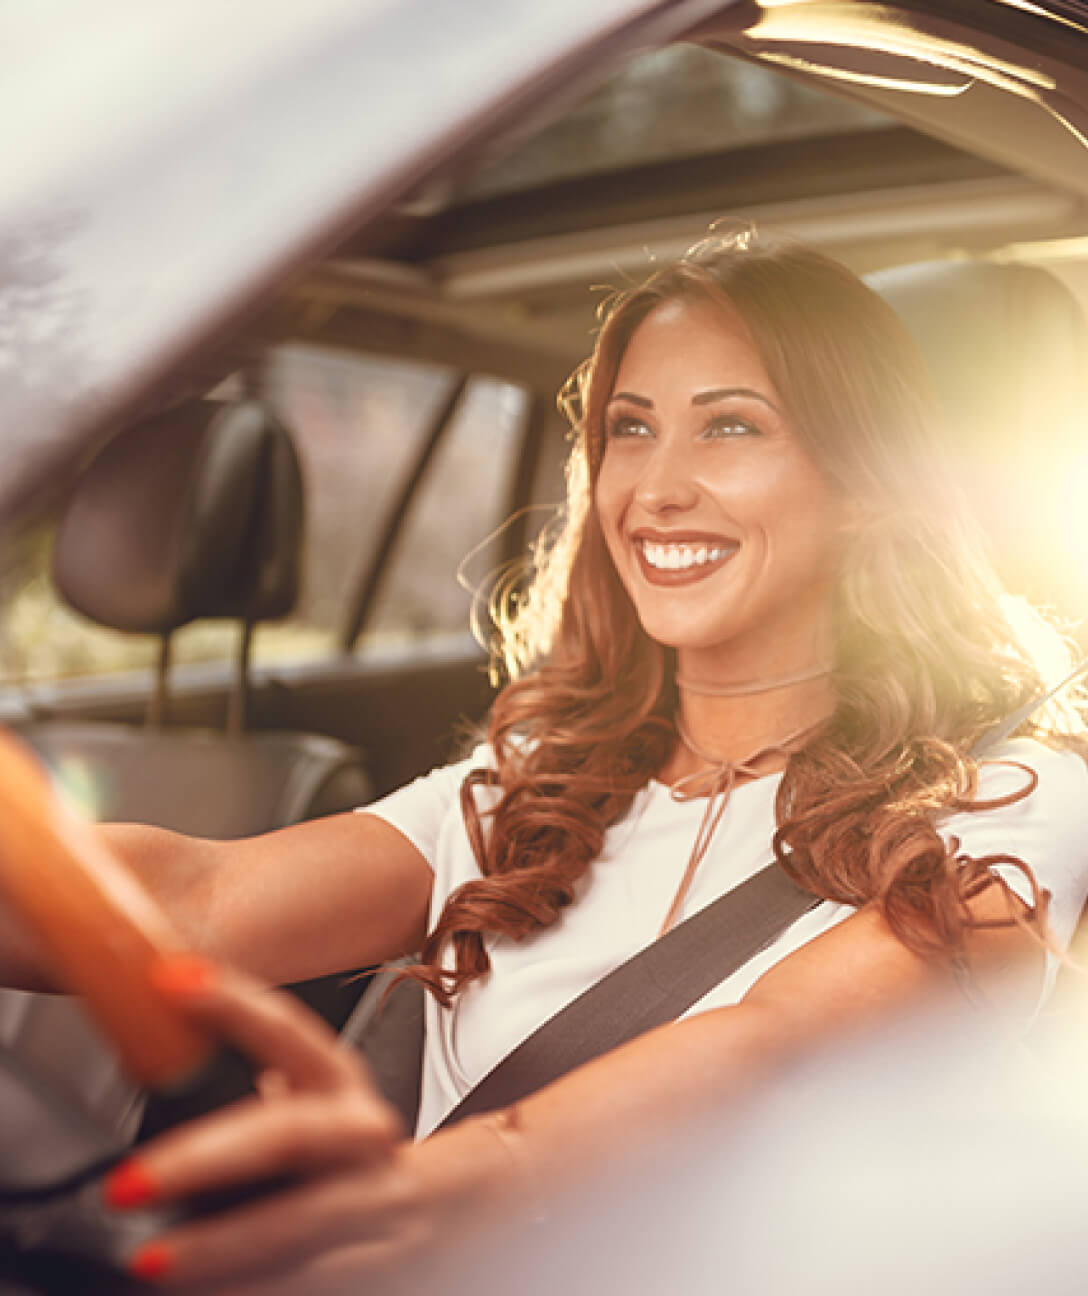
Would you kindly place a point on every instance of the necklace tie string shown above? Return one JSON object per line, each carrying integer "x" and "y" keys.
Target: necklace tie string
{"x": 718, "y": 780}
{"x": 745, "y": 687}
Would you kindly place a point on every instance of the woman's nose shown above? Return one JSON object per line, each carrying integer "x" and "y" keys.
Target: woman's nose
{"x": 665, "y": 481}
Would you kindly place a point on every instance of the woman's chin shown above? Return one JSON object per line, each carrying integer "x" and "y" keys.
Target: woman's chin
{"x": 684, "y": 637}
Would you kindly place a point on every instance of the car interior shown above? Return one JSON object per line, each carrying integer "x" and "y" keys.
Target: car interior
{"x": 952, "y": 175}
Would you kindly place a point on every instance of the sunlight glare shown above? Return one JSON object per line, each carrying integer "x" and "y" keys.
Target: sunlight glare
{"x": 77, "y": 784}
{"x": 1067, "y": 523}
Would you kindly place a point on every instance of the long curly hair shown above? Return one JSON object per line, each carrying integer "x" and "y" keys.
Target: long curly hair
{"x": 925, "y": 657}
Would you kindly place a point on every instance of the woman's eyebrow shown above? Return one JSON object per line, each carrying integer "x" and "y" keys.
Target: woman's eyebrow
{"x": 723, "y": 393}
{"x": 643, "y": 401}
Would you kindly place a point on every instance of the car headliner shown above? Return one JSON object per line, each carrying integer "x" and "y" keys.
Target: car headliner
{"x": 168, "y": 167}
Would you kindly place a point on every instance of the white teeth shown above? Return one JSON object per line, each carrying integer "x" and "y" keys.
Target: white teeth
{"x": 679, "y": 557}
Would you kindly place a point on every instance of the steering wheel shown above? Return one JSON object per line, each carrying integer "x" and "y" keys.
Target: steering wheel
{"x": 97, "y": 926}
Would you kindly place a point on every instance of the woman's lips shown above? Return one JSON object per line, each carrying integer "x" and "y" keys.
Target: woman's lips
{"x": 681, "y": 562}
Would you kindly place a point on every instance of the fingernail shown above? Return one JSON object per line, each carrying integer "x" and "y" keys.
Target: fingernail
{"x": 128, "y": 1185}
{"x": 153, "y": 1260}
{"x": 182, "y": 975}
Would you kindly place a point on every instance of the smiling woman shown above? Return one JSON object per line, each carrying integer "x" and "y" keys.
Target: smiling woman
{"x": 760, "y": 402}
{"x": 765, "y": 634}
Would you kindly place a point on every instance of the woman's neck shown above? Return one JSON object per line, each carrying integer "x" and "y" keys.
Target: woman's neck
{"x": 733, "y": 726}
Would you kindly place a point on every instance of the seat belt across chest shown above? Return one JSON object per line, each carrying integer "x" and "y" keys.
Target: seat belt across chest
{"x": 652, "y": 987}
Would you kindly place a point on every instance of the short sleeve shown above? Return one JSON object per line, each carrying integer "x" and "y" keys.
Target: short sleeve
{"x": 1047, "y": 830}
{"x": 420, "y": 809}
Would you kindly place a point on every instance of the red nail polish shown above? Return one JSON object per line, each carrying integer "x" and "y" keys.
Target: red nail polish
{"x": 154, "y": 1260}
{"x": 128, "y": 1185}
{"x": 182, "y": 975}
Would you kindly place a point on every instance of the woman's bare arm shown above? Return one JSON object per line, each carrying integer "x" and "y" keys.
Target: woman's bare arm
{"x": 324, "y": 896}
{"x": 376, "y": 1206}
{"x": 854, "y": 975}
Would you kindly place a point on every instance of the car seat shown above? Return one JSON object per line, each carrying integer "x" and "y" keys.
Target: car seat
{"x": 1007, "y": 347}
{"x": 197, "y": 512}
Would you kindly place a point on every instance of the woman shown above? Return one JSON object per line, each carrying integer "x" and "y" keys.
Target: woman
{"x": 764, "y": 630}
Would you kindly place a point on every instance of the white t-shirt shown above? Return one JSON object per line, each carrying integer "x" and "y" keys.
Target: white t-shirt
{"x": 624, "y": 896}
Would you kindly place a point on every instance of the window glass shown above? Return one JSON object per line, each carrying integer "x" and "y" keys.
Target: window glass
{"x": 358, "y": 423}
{"x": 40, "y": 636}
{"x": 448, "y": 556}
{"x": 676, "y": 102}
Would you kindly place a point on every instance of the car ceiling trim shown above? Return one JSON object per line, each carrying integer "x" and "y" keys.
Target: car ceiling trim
{"x": 1025, "y": 6}
{"x": 825, "y": 37}
{"x": 880, "y": 30}
{"x": 365, "y": 283}
{"x": 948, "y": 209}
{"x": 369, "y": 330}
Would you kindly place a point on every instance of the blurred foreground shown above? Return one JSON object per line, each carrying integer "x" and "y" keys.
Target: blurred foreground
{"x": 941, "y": 1156}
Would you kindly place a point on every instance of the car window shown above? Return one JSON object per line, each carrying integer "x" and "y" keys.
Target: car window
{"x": 359, "y": 423}
{"x": 677, "y": 102}
{"x": 449, "y": 551}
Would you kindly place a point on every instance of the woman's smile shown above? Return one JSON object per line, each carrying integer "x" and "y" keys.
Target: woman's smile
{"x": 682, "y": 558}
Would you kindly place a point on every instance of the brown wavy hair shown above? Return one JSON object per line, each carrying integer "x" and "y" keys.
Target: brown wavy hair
{"x": 925, "y": 660}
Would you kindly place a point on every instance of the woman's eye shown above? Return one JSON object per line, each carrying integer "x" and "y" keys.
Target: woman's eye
{"x": 620, "y": 429}
{"x": 731, "y": 425}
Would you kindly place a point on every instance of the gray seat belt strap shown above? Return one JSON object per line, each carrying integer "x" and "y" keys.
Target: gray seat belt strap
{"x": 997, "y": 735}
{"x": 653, "y": 987}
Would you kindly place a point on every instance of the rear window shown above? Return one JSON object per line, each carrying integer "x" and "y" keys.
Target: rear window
{"x": 359, "y": 422}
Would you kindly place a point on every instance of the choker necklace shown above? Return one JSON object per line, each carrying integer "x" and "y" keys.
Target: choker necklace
{"x": 717, "y": 783}
{"x": 750, "y": 686}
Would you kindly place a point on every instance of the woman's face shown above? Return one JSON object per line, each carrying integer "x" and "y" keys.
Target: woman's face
{"x": 724, "y": 532}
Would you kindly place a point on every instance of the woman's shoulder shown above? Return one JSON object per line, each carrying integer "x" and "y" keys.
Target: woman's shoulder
{"x": 420, "y": 809}
{"x": 1030, "y": 804}
{"x": 1059, "y": 775}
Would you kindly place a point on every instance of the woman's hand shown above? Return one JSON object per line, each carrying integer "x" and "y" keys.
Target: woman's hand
{"x": 353, "y": 1192}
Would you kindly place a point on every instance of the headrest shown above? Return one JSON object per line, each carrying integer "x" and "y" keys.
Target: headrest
{"x": 1005, "y": 343}
{"x": 1007, "y": 346}
{"x": 196, "y": 512}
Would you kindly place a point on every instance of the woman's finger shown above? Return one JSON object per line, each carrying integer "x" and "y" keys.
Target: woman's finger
{"x": 257, "y": 1240}
{"x": 269, "y": 1026}
{"x": 253, "y": 1141}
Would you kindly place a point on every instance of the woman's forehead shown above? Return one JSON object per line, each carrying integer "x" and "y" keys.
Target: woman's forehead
{"x": 692, "y": 342}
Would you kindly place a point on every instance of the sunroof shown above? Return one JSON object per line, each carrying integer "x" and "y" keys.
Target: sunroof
{"x": 681, "y": 101}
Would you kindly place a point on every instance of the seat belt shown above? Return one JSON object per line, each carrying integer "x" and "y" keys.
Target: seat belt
{"x": 662, "y": 981}
{"x": 654, "y": 986}
{"x": 1007, "y": 727}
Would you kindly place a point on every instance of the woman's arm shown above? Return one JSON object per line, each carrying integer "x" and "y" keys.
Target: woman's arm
{"x": 323, "y": 896}
{"x": 385, "y": 1208}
